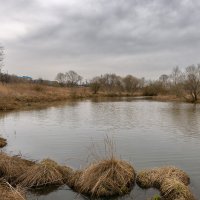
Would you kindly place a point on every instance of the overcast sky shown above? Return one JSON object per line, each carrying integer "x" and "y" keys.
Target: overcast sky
{"x": 145, "y": 38}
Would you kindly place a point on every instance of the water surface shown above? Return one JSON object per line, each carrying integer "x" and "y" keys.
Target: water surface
{"x": 147, "y": 133}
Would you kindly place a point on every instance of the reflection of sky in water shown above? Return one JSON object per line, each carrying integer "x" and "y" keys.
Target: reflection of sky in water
{"x": 147, "y": 133}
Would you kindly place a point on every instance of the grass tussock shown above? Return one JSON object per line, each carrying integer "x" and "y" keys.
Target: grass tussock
{"x": 173, "y": 189}
{"x": 8, "y": 192}
{"x": 154, "y": 177}
{"x": 3, "y": 142}
{"x": 104, "y": 178}
{"x": 11, "y": 167}
{"x": 66, "y": 172}
{"x": 45, "y": 173}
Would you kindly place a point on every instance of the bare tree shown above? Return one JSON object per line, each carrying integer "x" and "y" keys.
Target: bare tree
{"x": 72, "y": 78}
{"x": 176, "y": 81}
{"x": 176, "y": 76}
{"x": 192, "y": 81}
{"x": 164, "y": 80}
{"x": 95, "y": 85}
{"x": 131, "y": 83}
{"x": 61, "y": 78}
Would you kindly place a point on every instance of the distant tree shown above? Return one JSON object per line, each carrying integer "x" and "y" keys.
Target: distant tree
{"x": 153, "y": 88}
{"x": 95, "y": 85}
{"x": 61, "y": 78}
{"x": 111, "y": 82}
{"x": 192, "y": 81}
{"x": 176, "y": 76}
{"x": 176, "y": 81}
{"x": 72, "y": 78}
{"x": 131, "y": 83}
{"x": 164, "y": 80}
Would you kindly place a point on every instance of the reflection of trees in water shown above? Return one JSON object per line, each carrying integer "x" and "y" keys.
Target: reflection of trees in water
{"x": 117, "y": 99}
{"x": 186, "y": 118}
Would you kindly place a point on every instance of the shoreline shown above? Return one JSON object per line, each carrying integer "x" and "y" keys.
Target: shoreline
{"x": 30, "y": 96}
{"x": 20, "y": 106}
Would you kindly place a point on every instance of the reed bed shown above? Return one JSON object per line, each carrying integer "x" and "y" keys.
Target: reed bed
{"x": 104, "y": 178}
{"x": 154, "y": 177}
{"x": 45, "y": 173}
{"x": 10, "y": 193}
{"x": 173, "y": 189}
{"x": 11, "y": 167}
{"x": 3, "y": 142}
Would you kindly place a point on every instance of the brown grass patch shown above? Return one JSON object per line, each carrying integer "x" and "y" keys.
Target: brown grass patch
{"x": 66, "y": 172}
{"x": 104, "y": 178}
{"x": 3, "y": 142}
{"x": 173, "y": 189}
{"x": 47, "y": 172}
{"x": 9, "y": 193}
{"x": 11, "y": 167}
{"x": 154, "y": 177}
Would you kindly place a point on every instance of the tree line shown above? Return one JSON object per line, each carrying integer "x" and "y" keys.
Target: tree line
{"x": 182, "y": 83}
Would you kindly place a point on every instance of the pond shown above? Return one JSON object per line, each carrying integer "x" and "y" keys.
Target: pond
{"x": 146, "y": 133}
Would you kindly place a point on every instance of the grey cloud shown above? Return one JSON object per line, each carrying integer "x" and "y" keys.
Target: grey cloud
{"x": 105, "y": 32}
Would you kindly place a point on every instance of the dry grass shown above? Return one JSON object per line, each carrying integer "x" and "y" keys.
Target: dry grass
{"x": 173, "y": 189}
{"x": 26, "y": 95}
{"x": 11, "y": 167}
{"x": 104, "y": 178}
{"x": 66, "y": 172}
{"x": 45, "y": 173}
{"x": 9, "y": 193}
{"x": 154, "y": 177}
{"x": 147, "y": 178}
{"x": 3, "y": 142}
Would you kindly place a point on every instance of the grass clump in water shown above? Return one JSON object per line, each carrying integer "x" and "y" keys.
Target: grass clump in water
{"x": 8, "y": 192}
{"x": 173, "y": 189}
{"x": 11, "y": 167}
{"x": 105, "y": 178}
{"x": 154, "y": 177}
{"x": 45, "y": 173}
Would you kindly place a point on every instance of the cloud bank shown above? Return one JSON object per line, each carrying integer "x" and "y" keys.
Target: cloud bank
{"x": 139, "y": 37}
